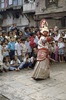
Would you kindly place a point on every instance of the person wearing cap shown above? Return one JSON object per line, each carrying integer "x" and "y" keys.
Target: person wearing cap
{"x": 42, "y": 69}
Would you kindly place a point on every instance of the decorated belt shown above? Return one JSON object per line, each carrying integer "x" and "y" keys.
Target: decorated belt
{"x": 42, "y": 54}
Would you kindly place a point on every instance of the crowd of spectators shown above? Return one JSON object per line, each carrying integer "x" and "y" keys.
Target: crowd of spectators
{"x": 18, "y": 49}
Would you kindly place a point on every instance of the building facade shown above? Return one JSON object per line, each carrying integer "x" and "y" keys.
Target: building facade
{"x": 20, "y": 12}
{"x": 52, "y": 10}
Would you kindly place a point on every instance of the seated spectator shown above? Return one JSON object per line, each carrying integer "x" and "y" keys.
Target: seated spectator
{"x": 4, "y": 66}
{"x": 14, "y": 63}
{"x": 27, "y": 62}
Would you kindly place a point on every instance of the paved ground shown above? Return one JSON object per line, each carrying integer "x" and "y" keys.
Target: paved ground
{"x": 20, "y": 85}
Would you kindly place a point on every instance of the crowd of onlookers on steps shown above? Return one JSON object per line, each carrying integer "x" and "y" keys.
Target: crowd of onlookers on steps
{"x": 18, "y": 49}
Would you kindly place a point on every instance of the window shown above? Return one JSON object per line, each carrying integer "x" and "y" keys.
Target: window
{"x": 20, "y": 2}
{"x": 51, "y": 2}
{"x": 2, "y": 3}
{"x": 63, "y": 22}
{"x": 15, "y": 2}
{"x": 10, "y": 2}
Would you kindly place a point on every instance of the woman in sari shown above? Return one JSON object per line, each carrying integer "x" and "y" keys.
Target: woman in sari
{"x": 42, "y": 67}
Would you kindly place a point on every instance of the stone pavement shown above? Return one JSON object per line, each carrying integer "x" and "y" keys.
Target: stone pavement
{"x": 20, "y": 85}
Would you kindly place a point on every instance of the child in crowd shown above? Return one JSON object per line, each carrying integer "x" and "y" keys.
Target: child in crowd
{"x": 5, "y": 51}
{"x": 18, "y": 49}
{"x": 61, "y": 49}
{"x": 5, "y": 64}
{"x": 14, "y": 63}
{"x": 23, "y": 47}
{"x": 11, "y": 47}
{"x": 29, "y": 49}
{"x": 27, "y": 62}
{"x": 52, "y": 50}
{"x": 6, "y": 61}
{"x": 21, "y": 34}
{"x": 56, "y": 51}
{"x": 34, "y": 53}
{"x": 14, "y": 34}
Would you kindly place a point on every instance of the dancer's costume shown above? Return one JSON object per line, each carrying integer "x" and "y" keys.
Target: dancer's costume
{"x": 42, "y": 67}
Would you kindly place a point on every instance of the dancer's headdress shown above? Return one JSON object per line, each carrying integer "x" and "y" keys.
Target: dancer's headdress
{"x": 44, "y": 26}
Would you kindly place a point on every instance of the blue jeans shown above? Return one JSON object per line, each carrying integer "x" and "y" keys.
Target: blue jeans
{"x": 23, "y": 65}
{"x": 12, "y": 68}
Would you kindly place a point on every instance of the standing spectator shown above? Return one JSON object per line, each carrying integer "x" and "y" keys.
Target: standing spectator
{"x": 27, "y": 43}
{"x": 61, "y": 49}
{"x": 27, "y": 31}
{"x": 21, "y": 34}
{"x": 11, "y": 47}
{"x": 52, "y": 50}
{"x": 14, "y": 35}
{"x": 32, "y": 42}
{"x": 18, "y": 49}
{"x": 23, "y": 47}
{"x": 56, "y": 51}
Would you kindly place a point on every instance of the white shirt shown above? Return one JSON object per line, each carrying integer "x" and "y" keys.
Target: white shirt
{"x": 28, "y": 46}
{"x": 56, "y": 38}
{"x": 61, "y": 45}
{"x": 18, "y": 49}
{"x": 15, "y": 62}
{"x": 24, "y": 47}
